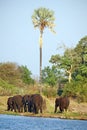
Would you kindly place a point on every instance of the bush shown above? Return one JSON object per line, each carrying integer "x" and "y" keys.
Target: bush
{"x": 7, "y": 89}
{"x": 49, "y": 91}
{"x": 77, "y": 90}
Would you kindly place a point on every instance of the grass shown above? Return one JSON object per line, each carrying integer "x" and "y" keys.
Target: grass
{"x": 76, "y": 111}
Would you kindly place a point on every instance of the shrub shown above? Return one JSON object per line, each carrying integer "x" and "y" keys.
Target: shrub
{"x": 76, "y": 89}
{"x": 7, "y": 89}
{"x": 49, "y": 91}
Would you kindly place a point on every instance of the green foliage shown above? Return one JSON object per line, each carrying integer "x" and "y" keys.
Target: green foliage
{"x": 49, "y": 91}
{"x": 81, "y": 50}
{"x": 7, "y": 89}
{"x": 65, "y": 62}
{"x": 73, "y": 64}
{"x": 73, "y": 61}
{"x": 50, "y": 76}
{"x": 76, "y": 89}
{"x": 14, "y": 74}
{"x": 14, "y": 78}
{"x": 10, "y": 72}
{"x": 26, "y": 75}
{"x": 43, "y": 18}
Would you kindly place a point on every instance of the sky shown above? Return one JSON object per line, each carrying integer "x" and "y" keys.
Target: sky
{"x": 19, "y": 41}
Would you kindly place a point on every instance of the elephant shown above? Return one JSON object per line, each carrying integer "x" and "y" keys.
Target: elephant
{"x": 62, "y": 103}
{"x": 10, "y": 104}
{"x": 17, "y": 103}
{"x": 35, "y": 104}
{"x": 25, "y": 100}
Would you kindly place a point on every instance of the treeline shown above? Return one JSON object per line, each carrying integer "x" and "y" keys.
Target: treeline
{"x": 13, "y": 78}
{"x": 66, "y": 76}
{"x": 69, "y": 71}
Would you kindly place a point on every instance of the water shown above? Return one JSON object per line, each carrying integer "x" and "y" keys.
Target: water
{"x": 10, "y": 122}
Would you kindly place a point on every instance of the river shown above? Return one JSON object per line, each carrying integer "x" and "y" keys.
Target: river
{"x": 11, "y": 122}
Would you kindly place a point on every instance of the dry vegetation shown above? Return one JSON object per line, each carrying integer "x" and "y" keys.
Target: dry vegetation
{"x": 75, "y": 111}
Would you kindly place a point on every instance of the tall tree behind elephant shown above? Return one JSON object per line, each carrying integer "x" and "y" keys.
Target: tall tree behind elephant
{"x": 62, "y": 103}
{"x": 36, "y": 103}
{"x": 25, "y": 100}
{"x": 17, "y": 103}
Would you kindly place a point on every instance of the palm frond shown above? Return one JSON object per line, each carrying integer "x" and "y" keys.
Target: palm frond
{"x": 42, "y": 18}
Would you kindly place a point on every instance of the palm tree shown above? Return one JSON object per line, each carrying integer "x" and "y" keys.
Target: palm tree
{"x": 41, "y": 19}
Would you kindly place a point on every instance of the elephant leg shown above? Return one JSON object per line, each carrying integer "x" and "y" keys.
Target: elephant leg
{"x": 30, "y": 107}
{"x": 61, "y": 109}
{"x": 25, "y": 109}
{"x": 15, "y": 108}
{"x": 55, "y": 109}
{"x": 66, "y": 109}
{"x": 18, "y": 108}
{"x": 11, "y": 109}
{"x": 21, "y": 109}
{"x": 36, "y": 112}
{"x": 35, "y": 109}
{"x": 8, "y": 108}
{"x": 41, "y": 110}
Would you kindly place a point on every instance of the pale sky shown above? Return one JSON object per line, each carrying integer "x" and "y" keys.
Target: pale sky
{"x": 19, "y": 39}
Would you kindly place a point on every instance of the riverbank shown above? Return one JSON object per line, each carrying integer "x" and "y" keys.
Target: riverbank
{"x": 75, "y": 111}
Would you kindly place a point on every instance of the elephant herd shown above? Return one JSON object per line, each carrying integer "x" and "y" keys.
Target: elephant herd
{"x": 27, "y": 103}
{"x": 34, "y": 103}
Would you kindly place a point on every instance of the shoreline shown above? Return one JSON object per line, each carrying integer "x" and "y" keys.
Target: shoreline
{"x": 76, "y": 111}
{"x": 65, "y": 115}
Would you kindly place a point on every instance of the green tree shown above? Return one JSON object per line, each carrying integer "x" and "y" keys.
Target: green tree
{"x": 73, "y": 63}
{"x": 65, "y": 62}
{"x": 81, "y": 50}
{"x": 50, "y": 76}
{"x": 43, "y": 18}
{"x": 10, "y": 72}
{"x": 15, "y": 74}
{"x": 26, "y": 75}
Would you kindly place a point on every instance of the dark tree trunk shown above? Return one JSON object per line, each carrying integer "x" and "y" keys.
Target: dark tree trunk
{"x": 40, "y": 65}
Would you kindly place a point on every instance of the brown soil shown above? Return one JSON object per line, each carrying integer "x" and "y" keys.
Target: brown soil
{"x": 78, "y": 107}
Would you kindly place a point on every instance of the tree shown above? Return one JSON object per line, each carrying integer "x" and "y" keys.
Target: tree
{"x": 41, "y": 19}
{"x": 15, "y": 74}
{"x": 65, "y": 62}
{"x": 81, "y": 50}
{"x": 26, "y": 75}
{"x": 10, "y": 72}
{"x": 50, "y": 76}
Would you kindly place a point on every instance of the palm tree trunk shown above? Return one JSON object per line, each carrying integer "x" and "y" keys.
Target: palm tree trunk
{"x": 40, "y": 64}
{"x": 41, "y": 56}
